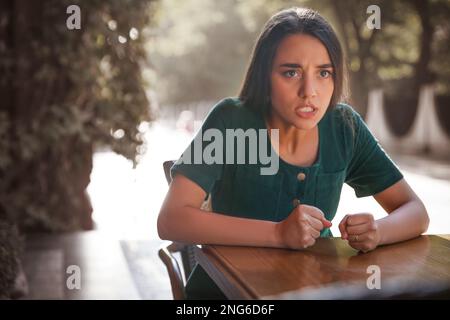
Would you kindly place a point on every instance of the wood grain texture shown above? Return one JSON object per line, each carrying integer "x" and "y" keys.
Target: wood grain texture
{"x": 256, "y": 273}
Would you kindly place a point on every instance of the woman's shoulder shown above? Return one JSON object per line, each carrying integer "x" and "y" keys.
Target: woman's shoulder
{"x": 345, "y": 115}
{"x": 229, "y": 105}
{"x": 344, "y": 124}
{"x": 232, "y": 111}
{"x": 344, "y": 110}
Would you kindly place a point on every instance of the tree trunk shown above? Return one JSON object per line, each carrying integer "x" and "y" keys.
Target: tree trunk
{"x": 422, "y": 72}
{"x": 54, "y": 179}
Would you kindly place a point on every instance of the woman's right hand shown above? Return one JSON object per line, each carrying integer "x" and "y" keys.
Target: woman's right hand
{"x": 302, "y": 227}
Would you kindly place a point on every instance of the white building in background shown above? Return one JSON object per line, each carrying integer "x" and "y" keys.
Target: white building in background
{"x": 425, "y": 133}
{"x": 376, "y": 118}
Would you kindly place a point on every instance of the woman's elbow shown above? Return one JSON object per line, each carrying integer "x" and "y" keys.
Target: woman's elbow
{"x": 162, "y": 226}
{"x": 426, "y": 222}
{"x": 425, "y": 219}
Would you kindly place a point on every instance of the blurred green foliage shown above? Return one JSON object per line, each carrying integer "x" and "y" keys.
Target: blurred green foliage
{"x": 199, "y": 50}
{"x": 66, "y": 93}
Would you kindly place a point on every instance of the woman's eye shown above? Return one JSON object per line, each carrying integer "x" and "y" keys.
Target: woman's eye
{"x": 325, "y": 73}
{"x": 290, "y": 73}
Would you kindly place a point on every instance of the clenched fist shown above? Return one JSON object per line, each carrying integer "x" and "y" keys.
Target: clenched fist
{"x": 302, "y": 227}
{"x": 361, "y": 231}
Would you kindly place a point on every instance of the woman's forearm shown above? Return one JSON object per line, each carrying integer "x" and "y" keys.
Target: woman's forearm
{"x": 406, "y": 222}
{"x": 193, "y": 225}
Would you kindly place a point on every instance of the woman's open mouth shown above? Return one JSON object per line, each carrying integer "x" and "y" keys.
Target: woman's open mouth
{"x": 306, "y": 112}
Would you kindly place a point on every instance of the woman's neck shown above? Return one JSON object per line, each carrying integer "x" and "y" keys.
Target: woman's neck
{"x": 291, "y": 139}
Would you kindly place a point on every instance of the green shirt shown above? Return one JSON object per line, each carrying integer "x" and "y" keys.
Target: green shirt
{"x": 348, "y": 152}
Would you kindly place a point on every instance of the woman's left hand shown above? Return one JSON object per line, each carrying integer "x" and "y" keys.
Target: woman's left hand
{"x": 361, "y": 231}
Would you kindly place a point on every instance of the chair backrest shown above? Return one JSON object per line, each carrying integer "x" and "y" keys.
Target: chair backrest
{"x": 173, "y": 269}
{"x": 167, "y": 165}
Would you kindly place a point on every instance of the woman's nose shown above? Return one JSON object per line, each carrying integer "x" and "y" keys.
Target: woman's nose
{"x": 307, "y": 88}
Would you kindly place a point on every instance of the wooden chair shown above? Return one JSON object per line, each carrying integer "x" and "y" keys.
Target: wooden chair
{"x": 166, "y": 254}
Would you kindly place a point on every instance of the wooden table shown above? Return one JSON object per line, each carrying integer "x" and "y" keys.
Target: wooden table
{"x": 331, "y": 269}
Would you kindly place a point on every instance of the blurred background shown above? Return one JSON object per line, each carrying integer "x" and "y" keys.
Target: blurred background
{"x": 88, "y": 116}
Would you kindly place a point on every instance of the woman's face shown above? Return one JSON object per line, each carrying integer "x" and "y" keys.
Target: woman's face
{"x": 301, "y": 81}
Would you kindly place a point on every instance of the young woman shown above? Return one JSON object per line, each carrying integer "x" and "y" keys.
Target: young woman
{"x": 294, "y": 83}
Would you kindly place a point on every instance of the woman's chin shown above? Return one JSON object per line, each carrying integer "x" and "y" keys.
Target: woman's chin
{"x": 305, "y": 124}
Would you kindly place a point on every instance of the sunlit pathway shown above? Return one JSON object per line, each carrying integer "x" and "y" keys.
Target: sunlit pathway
{"x": 126, "y": 201}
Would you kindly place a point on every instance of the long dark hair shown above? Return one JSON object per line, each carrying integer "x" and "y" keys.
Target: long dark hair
{"x": 255, "y": 90}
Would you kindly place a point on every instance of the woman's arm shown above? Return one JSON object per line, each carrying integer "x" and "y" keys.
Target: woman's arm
{"x": 181, "y": 219}
{"x": 408, "y": 217}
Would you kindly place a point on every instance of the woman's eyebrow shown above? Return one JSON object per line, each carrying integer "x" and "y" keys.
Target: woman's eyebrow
{"x": 291, "y": 65}
{"x": 296, "y": 65}
{"x": 326, "y": 65}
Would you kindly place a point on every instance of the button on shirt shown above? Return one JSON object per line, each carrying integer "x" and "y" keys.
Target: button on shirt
{"x": 301, "y": 176}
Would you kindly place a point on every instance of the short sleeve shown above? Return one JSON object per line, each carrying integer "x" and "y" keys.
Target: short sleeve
{"x": 192, "y": 164}
{"x": 370, "y": 169}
